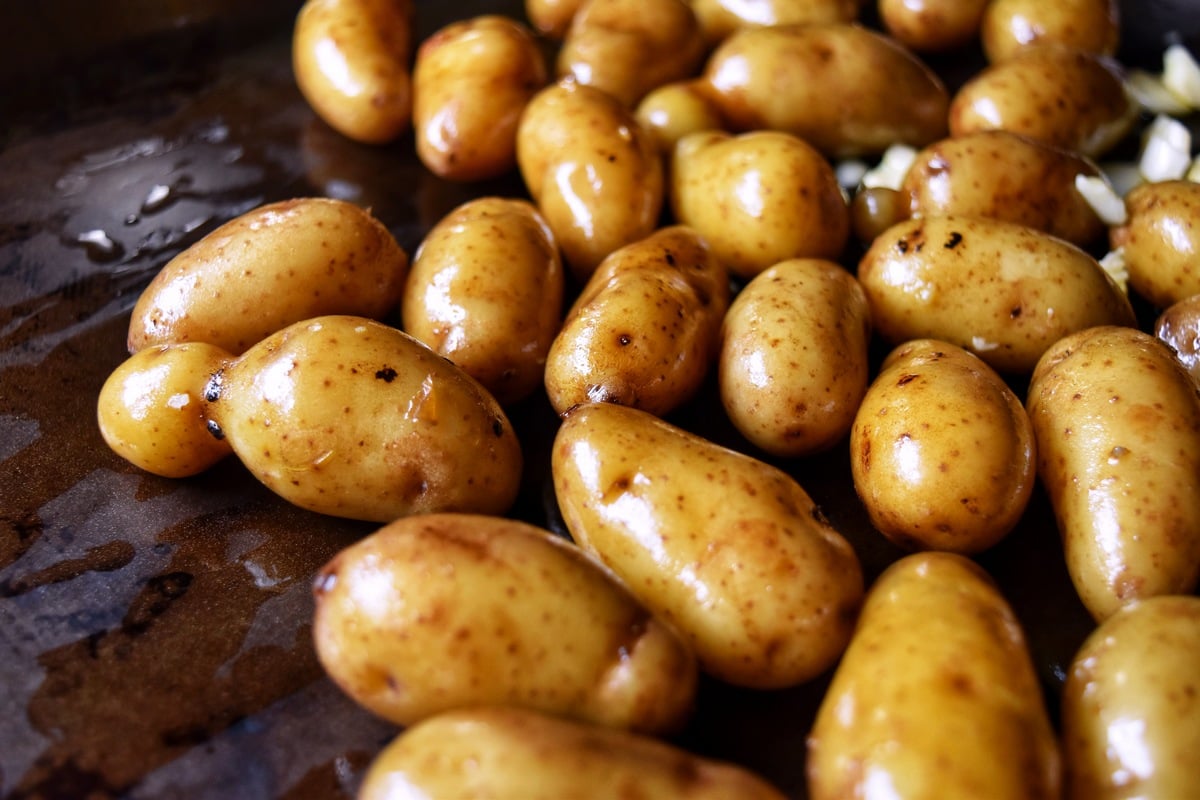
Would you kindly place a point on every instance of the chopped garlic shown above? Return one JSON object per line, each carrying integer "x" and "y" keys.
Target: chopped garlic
{"x": 1103, "y": 199}
{"x": 1181, "y": 75}
{"x": 1193, "y": 174}
{"x": 1114, "y": 264}
{"x": 850, "y": 173}
{"x": 892, "y": 168}
{"x": 1151, "y": 95}
{"x": 1167, "y": 150}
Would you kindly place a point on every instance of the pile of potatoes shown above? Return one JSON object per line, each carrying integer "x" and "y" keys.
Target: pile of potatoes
{"x": 686, "y": 220}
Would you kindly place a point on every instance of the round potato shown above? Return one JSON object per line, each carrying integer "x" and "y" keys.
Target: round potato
{"x": 471, "y": 81}
{"x": 874, "y": 209}
{"x": 523, "y": 755}
{"x": 350, "y": 60}
{"x": 552, "y": 18}
{"x": 758, "y": 198}
{"x": 1116, "y": 418}
{"x": 719, "y": 18}
{"x": 1179, "y": 327}
{"x": 936, "y": 695}
{"x": 849, "y": 91}
{"x": 486, "y": 292}
{"x": 1005, "y": 292}
{"x": 727, "y": 549}
{"x": 1131, "y": 704}
{"x": 942, "y": 451}
{"x": 1011, "y": 27}
{"x": 1161, "y": 240}
{"x": 443, "y": 611}
{"x": 1065, "y": 98}
{"x": 644, "y": 329}
{"x": 794, "y": 356}
{"x": 932, "y": 25}
{"x": 268, "y": 268}
{"x": 676, "y": 109}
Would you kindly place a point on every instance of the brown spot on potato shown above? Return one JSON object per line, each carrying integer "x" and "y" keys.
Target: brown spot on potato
{"x": 387, "y": 374}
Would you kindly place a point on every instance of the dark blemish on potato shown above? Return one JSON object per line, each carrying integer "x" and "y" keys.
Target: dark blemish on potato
{"x": 497, "y": 428}
{"x": 212, "y": 389}
{"x": 215, "y": 430}
{"x": 907, "y": 379}
{"x": 624, "y": 339}
{"x": 954, "y": 240}
{"x": 902, "y": 246}
{"x": 1015, "y": 313}
{"x": 670, "y": 257}
{"x": 387, "y": 374}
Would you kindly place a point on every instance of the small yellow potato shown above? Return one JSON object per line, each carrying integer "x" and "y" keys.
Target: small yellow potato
{"x": 719, "y": 18}
{"x": 942, "y": 451}
{"x": 552, "y": 18}
{"x": 793, "y": 365}
{"x": 1005, "y": 292}
{"x": 1011, "y": 27}
{"x": 727, "y": 549}
{"x": 874, "y": 209}
{"x": 151, "y": 409}
{"x": 1005, "y": 176}
{"x": 1131, "y": 704}
{"x": 758, "y": 198}
{"x": 1065, "y": 98}
{"x": 437, "y": 612}
{"x": 350, "y": 59}
{"x": 629, "y": 47}
{"x": 1116, "y": 418}
{"x": 1161, "y": 240}
{"x": 931, "y": 26}
{"x": 676, "y": 109}
{"x": 486, "y": 292}
{"x": 644, "y": 329}
{"x": 471, "y": 81}
{"x": 516, "y": 754}
{"x": 844, "y": 89}
{"x": 1179, "y": 327}
{"x": 272, "y": 266}
{"x": 936, "y": 696}
{"x": 594, "y": 173}
{"x": 349, "y": 417}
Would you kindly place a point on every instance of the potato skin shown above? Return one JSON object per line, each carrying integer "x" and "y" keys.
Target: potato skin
{"x": 720, "y": 18}
{"x": 673, "y": 110}
{"x": 936, "y": 696}
{"x": 1065, "y": 98}
{"x": 349, "y": 417}
{"x": 1178, "y": 326}
{"x": 644, "y": 329}
{"x": 727, "y": 549}
{"x": 1161, "y": 240}
{"x": 930, "y": 26}
{"x": 942, "y": 451}
{"x": 552, "y": 18}
{"x": 524, "y": 755}
{"x": 268, "y": 268}
{"x": 1117, "y": 423}
{"x": 486, "y": 292}
{"x": 848, "y": 91}
{"x": 350, "y": 60}
{"x": 794, "y": 356}
{"x": 471, "y": 82}
{"x": 1005, "y": 176}
{"x": 1131, "y": 725}
{"x": 758, "y": 198}
{"x": 435, "y": 612}
{"x": 1003, "y": 291}
{"x": 1011, "y": 27}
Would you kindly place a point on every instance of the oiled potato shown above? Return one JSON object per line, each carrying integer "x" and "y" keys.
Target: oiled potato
{"x": 793, "y": 362}
{"x": 932, "y": 25}
{"x": 758, "y": 198}
{"x": 1179, "y": 327}
{"x": 1066, "y": 98}
{"x": 522, "y": 755}
{"x": 350, "y": 60}
{"x": 1131, "y": 704}
{"x": 628, "y": 47}
{"x": 552, "y": 18}
{"x": 719, "y": 18}
{"x": 644, "y": 329}
{"x": 1011, "y": 27}
{"x": 676, "y": 109}
{"x": 1117, "y": 424}
{"x": 272, "y": 266}
{"x": 936, "y": 696}
{"x": 443, "y": 611}
{"x": 1161, "y": 240}
{"x": 941, "y": 450}
{"x": 594, "y": 173}
{"x": 729, "y": 550}
{"x": 848, "y": 91}
{"x": 471, "y": 82}
{"x": 486, "y": 292}
{"x": 1005, "y": 292}
{"x": 1005, "y": 176}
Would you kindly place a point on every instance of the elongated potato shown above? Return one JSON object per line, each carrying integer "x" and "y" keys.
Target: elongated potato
{"x": 729, "y": 550}
{"x": 644, "y": 329}
{"x": 794, "y": 356}
{"x": 1117, "y": 423}
{"x": 849, "y": 91}
{"x": 1003, "y": 291}
{"x": 719, "y": 18}
{"x": 1131, "y": 704}
{"x": 521, "y": 755}
{"x": 936, "y": 695}
{"x": 930, "y": 26}
{"x": 1011, "y": 27}
{"x": 443, "y": 611}
{"x": 486, "y": 292}
{"x": 268, "y": 268}
{"x": 942, "y": 452}
{"x": 1161, "y": 240}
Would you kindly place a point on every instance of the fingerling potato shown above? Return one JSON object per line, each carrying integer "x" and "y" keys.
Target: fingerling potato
{"x": 930, "y": 26}
{"x": 719, "y": 18}
{"x": 1161, "y": 240}
{"x": 1011, "y": 27}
